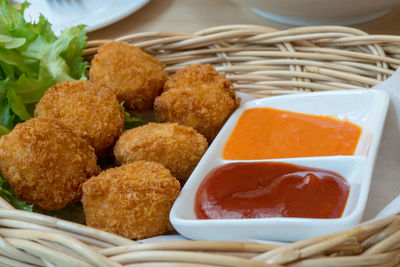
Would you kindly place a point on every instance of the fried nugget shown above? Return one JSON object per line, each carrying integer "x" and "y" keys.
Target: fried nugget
{"x": 136, "y": 76}
{"x": 46, "y": 163}
{"x": 178, "y": 148}
{"x": 90, "y": 110}
{"x": 199, "y": 97}
{"x": 133, "y": 200}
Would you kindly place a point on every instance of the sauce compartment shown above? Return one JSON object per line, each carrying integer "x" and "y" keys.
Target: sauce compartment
{"x": 265, "y": 189}
{"x": 267, "y": 133}
{"x": 365, "y": 108}
{"x": 276, "y": 228}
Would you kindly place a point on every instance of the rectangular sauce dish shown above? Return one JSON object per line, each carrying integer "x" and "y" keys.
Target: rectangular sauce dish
{"x": 364, "y": 108}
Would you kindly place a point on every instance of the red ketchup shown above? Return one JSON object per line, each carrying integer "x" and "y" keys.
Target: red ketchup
{"x": 270, "y": 189}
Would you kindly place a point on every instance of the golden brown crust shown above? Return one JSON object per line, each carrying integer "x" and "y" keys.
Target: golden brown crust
{"x": 178, "y": 148}
{"x": 199, "y": 97}
{"x": 133, "y": 200}
{"x": 90, "y": 110}
{"x": 136, "y": 76}
{"x": 45, "y": 163}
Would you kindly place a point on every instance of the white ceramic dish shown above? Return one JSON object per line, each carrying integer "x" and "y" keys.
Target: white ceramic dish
{"x": 95, "y": 14}
{"x": 367, "y": 108}
{"x": 321, "y": 12}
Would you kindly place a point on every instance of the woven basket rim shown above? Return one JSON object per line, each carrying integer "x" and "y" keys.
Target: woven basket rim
{"x": 261, "y": 61}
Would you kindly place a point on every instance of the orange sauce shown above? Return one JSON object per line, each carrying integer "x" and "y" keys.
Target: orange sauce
{"x": 265, "y": 133}
{"x": 270, "y": 189}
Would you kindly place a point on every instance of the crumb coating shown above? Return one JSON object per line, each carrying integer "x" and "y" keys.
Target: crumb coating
{"x": 179, "y": 148}
{"x": 133, "y": 200}
{"x": 199, "y": 97}
{"x": 46, "y": 163}
{"x": 136, "y": 76}
{"x": 88, "y": 109}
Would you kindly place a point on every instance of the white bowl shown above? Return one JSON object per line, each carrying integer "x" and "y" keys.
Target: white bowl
{"x": 367, "y": 108}
{"x": 321, "y": 12}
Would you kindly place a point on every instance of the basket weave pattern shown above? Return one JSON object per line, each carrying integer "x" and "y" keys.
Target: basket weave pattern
{"x": 260, "y": 61}
{"x": 263, "y": 61}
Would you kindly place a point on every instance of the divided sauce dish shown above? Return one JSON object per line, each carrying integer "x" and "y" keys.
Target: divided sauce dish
{"x": 365, "y": 108}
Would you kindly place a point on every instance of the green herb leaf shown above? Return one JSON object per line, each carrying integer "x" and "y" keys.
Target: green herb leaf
{"x": 130, "y": 121}
{"x": 3, "y": 130}
{"x": 7, "y": 193}
{"x": 16, "y": 105}
{"x": 32, "y": 59}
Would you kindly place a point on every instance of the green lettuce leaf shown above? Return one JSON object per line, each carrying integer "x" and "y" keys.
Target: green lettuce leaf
{"x": 7, "y": 193}
{"x": 32, "y": 59}
{"x": 16, "y": 105}
{"x": 130, "y": 120}
{"x": 3, "y": 130}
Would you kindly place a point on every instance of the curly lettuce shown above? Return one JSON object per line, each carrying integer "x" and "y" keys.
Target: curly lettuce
{"x": 32, "y": 59}
{"x": 130, "y": 121}
{"x": 7, "y": 193}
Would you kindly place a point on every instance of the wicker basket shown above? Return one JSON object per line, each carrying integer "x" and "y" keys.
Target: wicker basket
{"x": 260, "y": 61}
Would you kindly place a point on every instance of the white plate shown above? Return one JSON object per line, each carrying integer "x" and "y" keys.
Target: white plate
{"x": 367, "y": 108}
{"x": 322, "y": 12}
{"x": 93, "y": 13}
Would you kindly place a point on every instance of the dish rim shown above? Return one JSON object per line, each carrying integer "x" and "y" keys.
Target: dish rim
{"x": 354, "y": 217}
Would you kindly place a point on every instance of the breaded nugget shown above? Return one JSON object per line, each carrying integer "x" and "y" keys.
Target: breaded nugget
{"x": 133, "y": 200}
{"x": 199, "y": 97}
{"x": 46, "y": 163}
{"x": 178, "y": 148}
{"x": 90, "y": 110}
{"x": 136, "y": 76}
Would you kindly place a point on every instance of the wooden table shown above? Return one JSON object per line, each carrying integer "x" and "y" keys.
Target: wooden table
{"x": 193, "y": 15}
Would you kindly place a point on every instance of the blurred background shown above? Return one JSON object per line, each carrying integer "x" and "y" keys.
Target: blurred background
{"x": 194, "y": 15}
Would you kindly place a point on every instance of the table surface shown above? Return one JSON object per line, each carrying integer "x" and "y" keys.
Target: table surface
{"x": 193, "y": 15}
